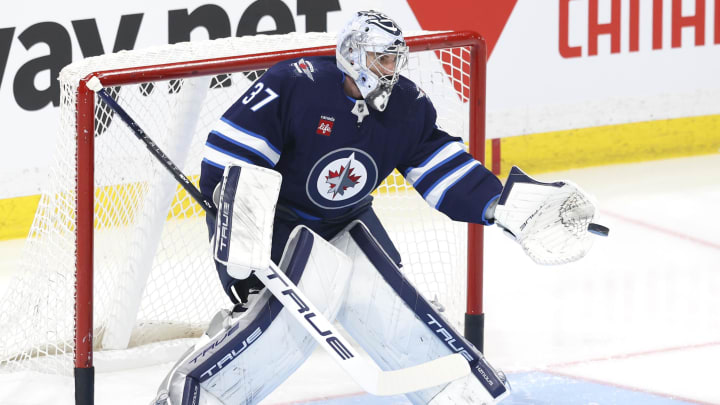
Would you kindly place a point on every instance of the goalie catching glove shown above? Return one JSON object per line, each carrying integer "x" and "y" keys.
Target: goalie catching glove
{"x": 551, "y": 221}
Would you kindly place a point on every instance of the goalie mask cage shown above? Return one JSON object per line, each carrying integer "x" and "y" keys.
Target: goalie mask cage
{"x": 118, "y": 255}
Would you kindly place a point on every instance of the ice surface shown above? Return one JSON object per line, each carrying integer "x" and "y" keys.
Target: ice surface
{"x": 637, "y": 321}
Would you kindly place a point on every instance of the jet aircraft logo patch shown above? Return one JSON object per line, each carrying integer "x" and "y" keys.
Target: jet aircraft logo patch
{"x": 342, "y": 178}
{"x": 304, "y": 67}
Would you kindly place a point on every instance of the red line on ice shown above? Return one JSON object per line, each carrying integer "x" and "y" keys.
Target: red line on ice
{"x": 627, "y": 387}
{"x": 636, "y": 354}
{"x": 663, "y": 230}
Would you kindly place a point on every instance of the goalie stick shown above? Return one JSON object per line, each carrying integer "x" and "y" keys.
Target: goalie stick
{"x": 364, "y": 371}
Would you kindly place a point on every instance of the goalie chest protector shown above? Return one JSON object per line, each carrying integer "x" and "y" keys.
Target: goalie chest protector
{"x": 331, "y": 149}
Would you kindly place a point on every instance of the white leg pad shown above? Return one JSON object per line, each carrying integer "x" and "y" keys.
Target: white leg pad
{"x": 254, "y": 353}
{"x": 399, "y": 328}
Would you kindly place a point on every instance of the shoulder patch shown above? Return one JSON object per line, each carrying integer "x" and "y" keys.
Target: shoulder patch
{"x": 421, "y": 92}
{"x": 304, "y": 67}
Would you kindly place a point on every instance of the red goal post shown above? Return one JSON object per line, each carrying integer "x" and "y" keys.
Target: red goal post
{"x": 86, "y": 107}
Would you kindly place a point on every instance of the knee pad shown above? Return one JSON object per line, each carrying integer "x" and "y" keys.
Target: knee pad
{"x": 398, "y": 328}
{"x": 246, "y": 356}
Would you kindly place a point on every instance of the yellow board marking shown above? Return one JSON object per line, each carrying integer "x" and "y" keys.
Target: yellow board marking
{"x": 535, "y": 153}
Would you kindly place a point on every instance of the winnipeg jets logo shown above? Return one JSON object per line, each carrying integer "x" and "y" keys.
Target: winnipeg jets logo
{"x": 341, "y": 178}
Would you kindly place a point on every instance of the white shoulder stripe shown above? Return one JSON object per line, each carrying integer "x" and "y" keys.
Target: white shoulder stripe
{"x": 219, "y": 158}
{"x": 449, "y": 150}
{"x": 435, "y": 194}
{"x": 255, "y": 142}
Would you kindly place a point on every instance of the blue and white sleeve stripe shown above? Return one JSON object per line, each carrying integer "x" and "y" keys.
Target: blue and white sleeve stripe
{"x": 246, "y": 139}
{"x": 221, "y": 158}
{"x": 444, "y": 154}
{"x": 435, "y": 194}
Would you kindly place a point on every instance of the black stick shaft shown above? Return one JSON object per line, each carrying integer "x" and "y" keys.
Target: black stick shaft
{"x": 205, "y": 203}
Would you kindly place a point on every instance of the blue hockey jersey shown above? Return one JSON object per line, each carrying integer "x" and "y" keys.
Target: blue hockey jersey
{"x": 298, "y": 120}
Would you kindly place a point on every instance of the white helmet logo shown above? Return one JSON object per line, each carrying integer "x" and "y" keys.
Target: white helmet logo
{"x": 383, "y": 21}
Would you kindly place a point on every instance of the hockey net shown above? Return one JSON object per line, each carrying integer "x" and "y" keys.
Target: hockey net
{"x": 152, "y": 277}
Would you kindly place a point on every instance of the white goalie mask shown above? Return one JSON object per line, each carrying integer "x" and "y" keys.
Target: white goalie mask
{"x": 372, "y": 51}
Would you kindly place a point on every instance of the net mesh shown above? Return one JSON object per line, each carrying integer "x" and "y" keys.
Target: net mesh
{"x": 154, "y": 280}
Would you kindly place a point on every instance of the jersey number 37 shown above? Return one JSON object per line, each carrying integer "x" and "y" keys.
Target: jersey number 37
{"x": 259, "y": 86}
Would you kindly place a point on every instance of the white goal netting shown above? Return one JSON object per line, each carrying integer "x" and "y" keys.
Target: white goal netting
{"x": 154, "y": 281}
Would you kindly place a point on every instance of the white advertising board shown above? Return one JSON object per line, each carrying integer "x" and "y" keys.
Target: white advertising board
{"x": 545, "y": 72}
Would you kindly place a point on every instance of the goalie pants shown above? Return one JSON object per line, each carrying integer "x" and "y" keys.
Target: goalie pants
{"x": 288, "y": 217}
